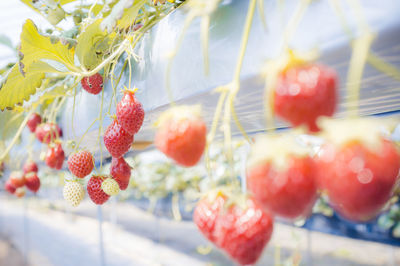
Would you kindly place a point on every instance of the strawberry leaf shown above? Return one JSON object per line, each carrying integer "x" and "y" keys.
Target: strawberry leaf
{"x": 123, "y": 14}
{"x": 35, "y": 47}
{"x": 18, "y": 88}
{"x": 93, "y": 44}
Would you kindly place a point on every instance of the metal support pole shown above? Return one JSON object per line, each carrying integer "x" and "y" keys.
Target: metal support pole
{"x": 26, "y": 232}
{"x": 309, "y": 249}
{"x": 101, "y": 246}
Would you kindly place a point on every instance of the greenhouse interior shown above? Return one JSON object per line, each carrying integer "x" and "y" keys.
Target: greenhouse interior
{"x": 199, "y": 132}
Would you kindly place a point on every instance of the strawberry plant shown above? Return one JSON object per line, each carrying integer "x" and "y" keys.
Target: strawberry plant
{"x": 355, "y": 169}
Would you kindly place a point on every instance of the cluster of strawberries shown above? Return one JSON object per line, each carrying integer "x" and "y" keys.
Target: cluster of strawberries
{"x": 18, "y": 179}
{"x": 47, "y": 133}
{"x": 118, "y": 139}
{"x": 50, "y": 134}
{"x": 357, "y": 168}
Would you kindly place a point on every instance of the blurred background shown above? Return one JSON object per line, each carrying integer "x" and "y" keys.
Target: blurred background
{"x": 150, "y": 223}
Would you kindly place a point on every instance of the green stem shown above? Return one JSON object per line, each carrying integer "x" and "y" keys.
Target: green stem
{"x": 14, "y": 140}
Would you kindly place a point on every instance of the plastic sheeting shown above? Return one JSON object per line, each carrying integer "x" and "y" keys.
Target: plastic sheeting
{"x": 320, "y": 28}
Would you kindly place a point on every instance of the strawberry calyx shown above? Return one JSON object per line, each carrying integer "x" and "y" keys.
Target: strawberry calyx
{"x": 367, "y": 131}
{"x": 130, "y": 91}
{"x": 178, "y": 113}
{"x": 232, "y": 197}
{"x": 276, "y": 149}
{"x": 289, "y": 59}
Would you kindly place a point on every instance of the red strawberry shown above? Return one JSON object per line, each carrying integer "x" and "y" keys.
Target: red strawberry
{"x": 206, "y": 213}
{"x": 358, "y": 171}
{"x": 281, "y": 176}
{"x": 96, "y": 194}
{"x": 121, "y": 172}
{"x": 81, "y": 164}
{"x": 32, "y": 182}
{"x": 130, "y": 113}
{"x": 289, "y": 193}
{"x": 117, "y": 140}
{"x": 17, "y": 179}
{"x": 55, "y": 156}
{"x": 242, "y": 231}
{"x": 182, "y": 135}
{"x": 9, "y": 187}
{"x": 33, "y": 121}
{"x": 30, "y": 166}
{"x": 304, "y": 93}
{"x": 93, "y": 84}
{"x": 48, "y": 132}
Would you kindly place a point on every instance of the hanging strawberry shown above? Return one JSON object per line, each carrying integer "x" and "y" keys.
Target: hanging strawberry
{"x": 33, "y": 121}
{"x": 358, "y": 167}
{"x": 55, "y": 156}
{"x": 281, "y": 176}
{"x": 305, "y": 92}
{"x": 241, "y": 230}
{"x": 117, "y": 140}
{"x": 130, "y": 113}
{"x": 92, "y": 84}
{"x": 181, "y": 135}
{"x": 81, "y": 163}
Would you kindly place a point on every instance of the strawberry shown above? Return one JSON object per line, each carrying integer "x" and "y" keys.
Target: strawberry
{"x": 117, "y": 140}
{"x": 20, "y": 192}
{"x": 92, "y": 84}
{"x": 281, "y": 176}
{"x": 73, "y": 193}
{"x": 130, "y": 113}
{"x": 48, "y": 132}
{"x": 9, "y": 187}
{"x": 304, "y": 93}
{"x": 81, "y": 163}
{"x": 30, "y": 166}
{"x": 244, "y": 232}
{"x": 206, "y": 213}
{"x": 96, "y": 194}
{"x": 358, "y": 171}
{"x": 181, "y": 135}
{"x": 55, "y": 156}
{"x": 121, "y": 172}
{"x": 110, "y": 187}
{"x": 17, "y": 179}
{"x": 33, "y": 120}
{"x": 241, "y": 230}
{"x": 32, "y": 182}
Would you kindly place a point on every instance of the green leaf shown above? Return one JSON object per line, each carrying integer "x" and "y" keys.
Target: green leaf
{"x": 10, "y": 121}
{"x": 92, "y": 44}
{"x": 129, "y": 16}
{"x": 18, "y": 88}
{"x": 123, "y": 14}
{"x": 35, "y": 47}
{"x": 64, "y": 2}
{"x": 43, "y": 67}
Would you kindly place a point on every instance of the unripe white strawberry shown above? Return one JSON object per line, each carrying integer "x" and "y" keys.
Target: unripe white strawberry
{"x": 110, "y": 187}
{"x": 73, "y": 192}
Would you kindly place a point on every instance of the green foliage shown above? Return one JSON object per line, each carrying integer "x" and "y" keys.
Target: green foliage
{"x": 36, "y": 47}
{"x": 18, "y": 88}
{"x": 93, "y": 44}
